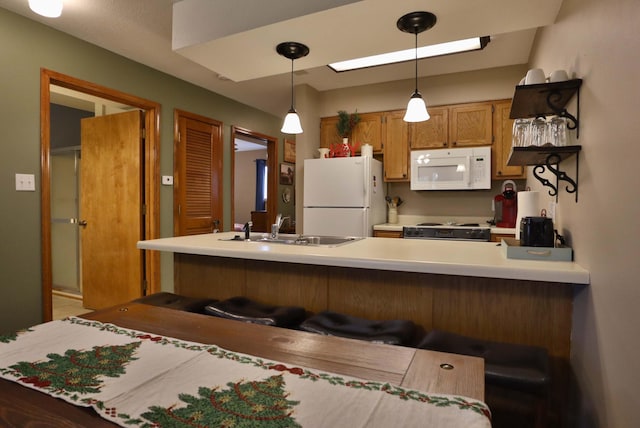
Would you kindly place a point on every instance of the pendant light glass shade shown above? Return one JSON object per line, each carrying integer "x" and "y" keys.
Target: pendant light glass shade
{"x": 415, "y": 23}
{"x": 293, "y": 51}
{"x": 48, "y": 8}
{"x": 291, "y": 123}
{"x": 416, "y": 109}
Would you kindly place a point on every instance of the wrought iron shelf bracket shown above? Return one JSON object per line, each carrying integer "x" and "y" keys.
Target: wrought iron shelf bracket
{"x": 548, "y": 159}
{"x": 554, "y": 159}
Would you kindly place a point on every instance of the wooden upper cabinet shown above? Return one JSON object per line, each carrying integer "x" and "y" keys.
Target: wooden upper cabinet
{"x": 328, "y": 132}
{"x": 501, "y": 149}
{"x": 470, "y": 125}
{"x": 433, "y": 133}
{"x": 368, "y": 131}
{"x": 396, "y": 147}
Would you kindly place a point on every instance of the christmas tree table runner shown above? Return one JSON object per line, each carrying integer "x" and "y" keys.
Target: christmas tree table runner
{"x": 137, "y": 379}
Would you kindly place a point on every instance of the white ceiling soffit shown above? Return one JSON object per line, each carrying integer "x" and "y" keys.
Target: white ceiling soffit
{"x": 200, "y": 21}
{"x": 337, "y": 31}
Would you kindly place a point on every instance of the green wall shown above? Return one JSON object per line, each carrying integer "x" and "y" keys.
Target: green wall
{"x": 25, "y": 48}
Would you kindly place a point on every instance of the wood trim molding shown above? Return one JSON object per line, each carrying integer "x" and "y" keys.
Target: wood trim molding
{"x": 151, "y": 174}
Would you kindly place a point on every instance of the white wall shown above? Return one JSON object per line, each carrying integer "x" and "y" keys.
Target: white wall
{"x": 599, "y": 42}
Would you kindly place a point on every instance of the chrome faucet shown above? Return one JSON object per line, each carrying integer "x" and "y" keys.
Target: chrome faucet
{"x": 247, "y": 230}
{"x": 275, "y": 227}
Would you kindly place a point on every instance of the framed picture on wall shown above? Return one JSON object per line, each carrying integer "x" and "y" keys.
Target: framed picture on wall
{"x": 287, "y": 172}
{"x": 289, "y": 151}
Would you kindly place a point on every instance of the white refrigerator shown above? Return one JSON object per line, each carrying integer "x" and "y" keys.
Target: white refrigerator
{"x": 343, "y": 196}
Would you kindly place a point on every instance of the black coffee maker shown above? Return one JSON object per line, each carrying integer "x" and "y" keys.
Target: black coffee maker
{"x": 537, "y": 232}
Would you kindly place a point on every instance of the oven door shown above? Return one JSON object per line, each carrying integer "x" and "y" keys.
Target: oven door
{"x": 440, "y": 173}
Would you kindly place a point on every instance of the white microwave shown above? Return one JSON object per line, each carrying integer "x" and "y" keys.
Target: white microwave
{"x": 451, "y": 169}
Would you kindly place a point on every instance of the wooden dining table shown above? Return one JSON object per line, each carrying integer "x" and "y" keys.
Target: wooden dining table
{"x": 427, "y": 371}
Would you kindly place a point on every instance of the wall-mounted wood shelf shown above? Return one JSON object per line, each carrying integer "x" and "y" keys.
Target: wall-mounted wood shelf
{"x": 547, "y": 99}
{"x": 534, "y": 155}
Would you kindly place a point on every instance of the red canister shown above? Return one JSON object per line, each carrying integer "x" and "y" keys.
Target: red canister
{"x": 506, "y": 205}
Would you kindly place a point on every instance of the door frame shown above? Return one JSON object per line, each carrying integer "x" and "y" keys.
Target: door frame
{"x": 272, "y": 165}
{"x": 151, "y": 180}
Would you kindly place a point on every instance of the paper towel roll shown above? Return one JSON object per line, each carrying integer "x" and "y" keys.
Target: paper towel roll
{"x": 366, "y": 150}
{"x": 528, "y": 206}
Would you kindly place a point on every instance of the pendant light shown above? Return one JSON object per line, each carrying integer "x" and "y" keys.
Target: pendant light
{"x": 48, "y": 8}
{"x": 416, "y": 23}
{"x": 293, "y": 51}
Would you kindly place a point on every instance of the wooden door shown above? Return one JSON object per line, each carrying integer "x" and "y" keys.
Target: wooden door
{"x": 111, "y": 200}
{"x": 470, "y": 125}
{"x": 501, "y": 149}
{"x": 197, "y": 175}
{"x": 432, "y": 133}
{"x": 396, "y": 147}
{"x": 369, "y": 131}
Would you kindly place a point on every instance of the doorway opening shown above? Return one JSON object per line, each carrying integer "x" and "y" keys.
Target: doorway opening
{"x": 149, "y": 164}
{"x": 244, "y": 170}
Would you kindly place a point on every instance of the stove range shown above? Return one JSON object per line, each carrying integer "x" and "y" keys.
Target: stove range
{"x": 452, "y": 231}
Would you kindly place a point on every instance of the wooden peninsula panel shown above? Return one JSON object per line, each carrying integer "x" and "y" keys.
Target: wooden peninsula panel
{"x": 381, "y": 295}
{"x": 516, "y": 311}
{"x": 296, "y": 285}
{"x": 204, "y": 276}
{"x": 524, "y": 312}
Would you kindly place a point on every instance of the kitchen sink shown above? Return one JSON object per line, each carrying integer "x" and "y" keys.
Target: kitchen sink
{"x": 293, "y": 239}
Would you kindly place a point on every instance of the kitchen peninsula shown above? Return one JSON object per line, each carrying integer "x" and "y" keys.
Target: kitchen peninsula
{"x": 468, "y": 288}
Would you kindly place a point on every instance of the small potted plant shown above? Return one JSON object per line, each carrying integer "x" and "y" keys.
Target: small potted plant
{"x": 346, "y": 123}
{"x": 344, "y": 126}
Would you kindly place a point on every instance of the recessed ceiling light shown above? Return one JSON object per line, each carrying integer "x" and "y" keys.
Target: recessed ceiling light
{"x": 447, "y": 48}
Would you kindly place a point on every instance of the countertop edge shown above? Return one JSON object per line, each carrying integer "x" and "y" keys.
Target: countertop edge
{"x": 347, "y": 256}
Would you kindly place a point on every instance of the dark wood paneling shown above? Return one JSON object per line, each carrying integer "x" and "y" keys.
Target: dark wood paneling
{"x": 213, "y": 277}
{"x": 287, "y": 284}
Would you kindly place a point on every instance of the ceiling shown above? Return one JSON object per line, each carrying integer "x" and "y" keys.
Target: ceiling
{"x": 228, "y": 46}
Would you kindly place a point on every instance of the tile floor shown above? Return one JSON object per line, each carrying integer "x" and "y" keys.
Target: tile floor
{"x": 64, "y": 306}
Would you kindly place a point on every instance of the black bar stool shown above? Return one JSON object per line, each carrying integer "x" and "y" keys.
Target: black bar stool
{"x": 392, "y": 332}
{"x": 247, "y": 310}
{"x": 175, "y": 301}
{"x": 508, "y": 366}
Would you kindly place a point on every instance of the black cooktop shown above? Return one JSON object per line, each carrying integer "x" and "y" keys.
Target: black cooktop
{"x": 452, "y": 224}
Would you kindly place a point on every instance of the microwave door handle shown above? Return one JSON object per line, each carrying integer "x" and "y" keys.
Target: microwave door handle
{"x": 467, "y": 161}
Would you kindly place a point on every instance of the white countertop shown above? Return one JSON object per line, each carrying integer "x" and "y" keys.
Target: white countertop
{"x": 482, "y": 259}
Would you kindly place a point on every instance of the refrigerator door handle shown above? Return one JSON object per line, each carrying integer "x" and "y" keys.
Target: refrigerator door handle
{"x": 366, "y": 183}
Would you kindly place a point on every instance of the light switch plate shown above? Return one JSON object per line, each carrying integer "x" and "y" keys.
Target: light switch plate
{"x": 167, "y": 180}
{"x": 25, "y": 183}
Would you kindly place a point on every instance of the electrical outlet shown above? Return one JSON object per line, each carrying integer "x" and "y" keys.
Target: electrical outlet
{"x": 25, "y": 183}
{"x": 167, "y": 180}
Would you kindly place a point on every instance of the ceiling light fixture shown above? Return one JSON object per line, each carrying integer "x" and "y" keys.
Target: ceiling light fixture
{"x": 416, "y": 23}
{"x": 48, "y": 8}
{"x": 293, "y": 51}
{"x": 441, "y": 49}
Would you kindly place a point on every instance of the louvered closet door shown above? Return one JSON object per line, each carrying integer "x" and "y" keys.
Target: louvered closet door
{"x": 198, "y": 176}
